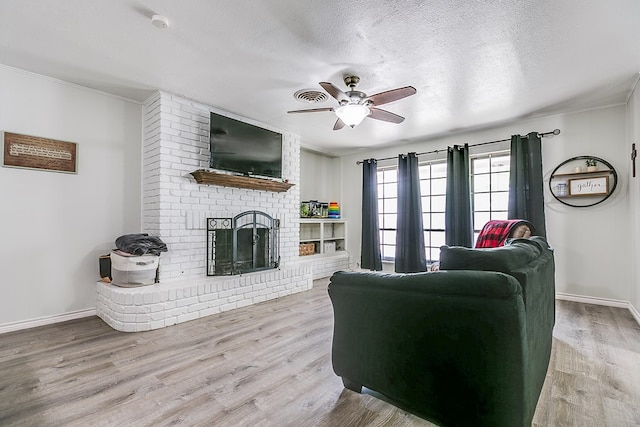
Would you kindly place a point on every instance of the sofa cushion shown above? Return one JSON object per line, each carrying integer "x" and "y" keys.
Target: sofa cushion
{"x": 515, "y": 254}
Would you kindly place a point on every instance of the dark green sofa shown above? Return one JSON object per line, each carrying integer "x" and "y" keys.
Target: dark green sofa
{"x": 468, "y": 345}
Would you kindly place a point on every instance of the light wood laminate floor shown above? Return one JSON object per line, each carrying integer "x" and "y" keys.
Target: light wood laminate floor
{"x": 270, "y": 365}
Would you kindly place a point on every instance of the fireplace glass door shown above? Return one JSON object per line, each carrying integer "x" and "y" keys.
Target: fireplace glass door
{"x": 243, "y": 244}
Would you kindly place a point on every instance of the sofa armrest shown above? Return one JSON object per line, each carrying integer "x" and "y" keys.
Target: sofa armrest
{"x": 531, "y": 263}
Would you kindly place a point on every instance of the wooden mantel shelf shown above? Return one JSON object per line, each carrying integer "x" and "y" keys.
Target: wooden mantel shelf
{"x": 213, "y": 178}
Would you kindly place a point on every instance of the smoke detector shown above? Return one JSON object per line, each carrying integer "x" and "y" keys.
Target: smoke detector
{"x": 159, "y": 21}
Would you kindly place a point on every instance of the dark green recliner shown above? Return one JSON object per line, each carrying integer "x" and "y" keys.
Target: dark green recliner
{"x": 468, "y": 345}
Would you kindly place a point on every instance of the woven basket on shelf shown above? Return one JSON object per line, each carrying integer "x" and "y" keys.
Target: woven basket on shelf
{"x": 307, "y": 249}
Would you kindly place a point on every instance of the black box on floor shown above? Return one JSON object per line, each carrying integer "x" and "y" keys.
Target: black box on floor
{"x": 105, "y": 266}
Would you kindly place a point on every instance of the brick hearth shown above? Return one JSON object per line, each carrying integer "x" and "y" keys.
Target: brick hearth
{"x": 164, "y": 304}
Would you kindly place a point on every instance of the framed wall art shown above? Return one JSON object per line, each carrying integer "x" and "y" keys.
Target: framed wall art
{"x": 32, "y": 152}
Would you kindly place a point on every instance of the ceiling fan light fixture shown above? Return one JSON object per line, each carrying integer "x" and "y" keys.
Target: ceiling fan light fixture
{"x": 354, "y": 105}
{"x": 352, "y": 114}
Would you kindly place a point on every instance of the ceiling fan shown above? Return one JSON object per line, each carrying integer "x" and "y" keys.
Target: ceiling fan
{"x": 356, "y": 105}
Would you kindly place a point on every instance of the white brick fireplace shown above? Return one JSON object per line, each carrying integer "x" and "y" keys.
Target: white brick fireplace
{"x": 176, "y": 143}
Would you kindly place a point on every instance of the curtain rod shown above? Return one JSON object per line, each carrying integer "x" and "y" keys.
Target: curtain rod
{"x": 541, "y": 135}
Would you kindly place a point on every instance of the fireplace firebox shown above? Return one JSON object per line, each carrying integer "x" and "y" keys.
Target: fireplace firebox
{"x": 245, "y": 243}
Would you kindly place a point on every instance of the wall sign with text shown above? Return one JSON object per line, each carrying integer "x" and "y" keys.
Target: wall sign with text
{"x": 32, "y": 152}
{"x": 597, "y": 186}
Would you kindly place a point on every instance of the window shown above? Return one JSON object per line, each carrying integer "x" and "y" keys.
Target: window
{"x": 489, "y": 189}
{"x": 433, "y": 188}
{"x": 387, "y": 211}
{"x": 489, "y": 192}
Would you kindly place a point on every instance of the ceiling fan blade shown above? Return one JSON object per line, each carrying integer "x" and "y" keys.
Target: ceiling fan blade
{"x": 339, "y": 124}
{"x": 392, "y": 95}
{"x": 312, "y": 110}
{"x": 385, "y": 115}
{"x": 335, "y": 92}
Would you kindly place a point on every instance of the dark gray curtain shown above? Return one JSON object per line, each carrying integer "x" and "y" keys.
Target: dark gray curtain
{"x": 526, "y": 197}
{"x": 458, "y": 217}
{"x": 370, "y": 252}
{"x": 410, "y": 254}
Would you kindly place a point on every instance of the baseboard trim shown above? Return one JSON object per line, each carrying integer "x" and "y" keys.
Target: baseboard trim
{"x": 47, "y": 320}
{"x": 592, "y": 300}
{"x": 601, "y": 301}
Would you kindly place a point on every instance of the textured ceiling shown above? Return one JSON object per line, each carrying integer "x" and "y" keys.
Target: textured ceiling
{"x": 474, "y": 63}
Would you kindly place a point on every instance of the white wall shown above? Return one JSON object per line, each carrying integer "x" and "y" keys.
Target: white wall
{"x": 592, "y": 245}
{"x": 633, "y": 136}
{"x": 53, "y": 226}
{"x": 319, "y": 177}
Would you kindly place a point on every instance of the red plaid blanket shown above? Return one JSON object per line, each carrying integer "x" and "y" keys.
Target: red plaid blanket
{"x": 495, "y": 232}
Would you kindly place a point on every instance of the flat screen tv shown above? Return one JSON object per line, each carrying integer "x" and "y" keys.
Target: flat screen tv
{"x": 244, "y": 148}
